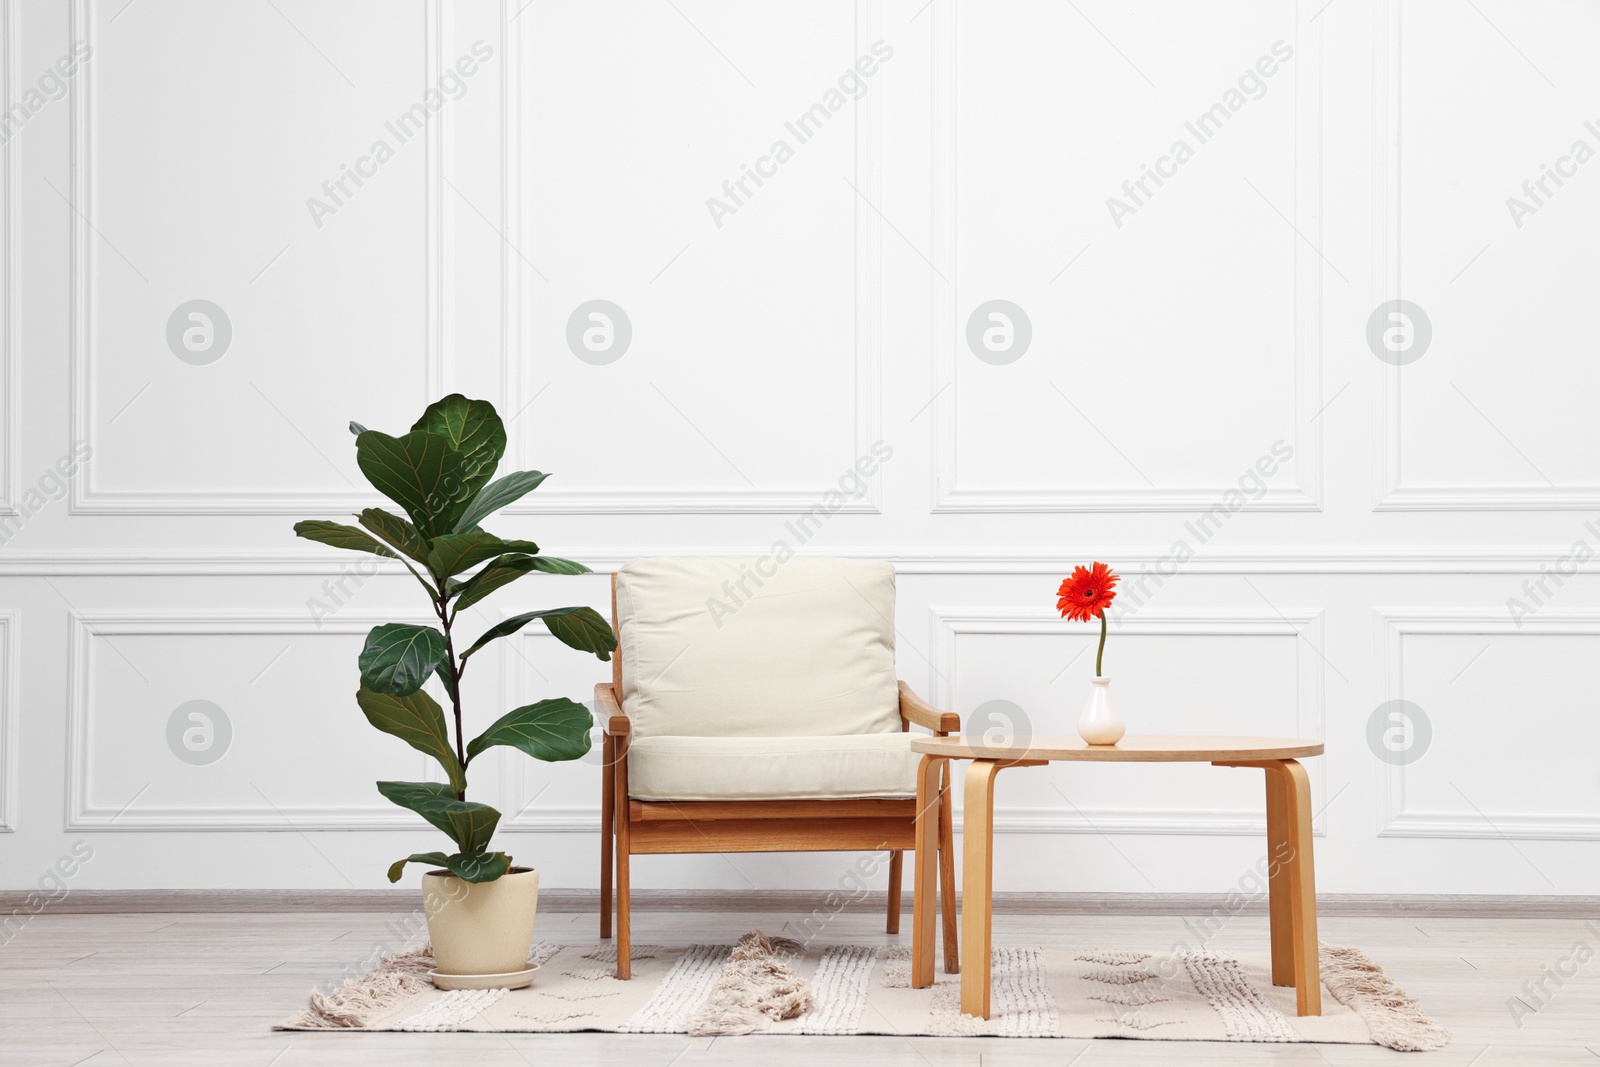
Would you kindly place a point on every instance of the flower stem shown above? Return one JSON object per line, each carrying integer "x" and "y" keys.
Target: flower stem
{"x": 1098, "y": 656}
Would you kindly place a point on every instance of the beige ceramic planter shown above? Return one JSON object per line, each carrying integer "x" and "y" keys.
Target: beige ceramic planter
{"x": 482, "y": 928}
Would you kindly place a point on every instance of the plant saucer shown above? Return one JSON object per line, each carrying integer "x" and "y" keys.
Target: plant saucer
{"x": 510, "y": 980}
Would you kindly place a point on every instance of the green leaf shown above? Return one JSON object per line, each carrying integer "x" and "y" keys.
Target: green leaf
{"x": 339, "y": 535}
{"x": 421, "y": 473}
{"x": 480, "y": 867}
{"x": 582, "y": 628}
{"x": 474, "y": 824}
{"x": 469, "y": 825}
{"x": 469, "y": 867}
{"x": 393, "y": 530}
{"x": 453, "y": 553}
{"x": 502, "y": 571}
{"x": 427, "y": 799}
{"x": 506, "y": 570}
{"x": 432, "y": 859}
{"x": 551, "y": 730}
{"x": 397, "y": 532}
{"x": 443, "y": 673}
{"x": 497, "y": 494}
{"x": 417, "y": 720}
{"x": 399, "y": 657}
{"x": 557, "y": 565}
{"x": 474, "y": 429}
{"x": 356, "y": 428}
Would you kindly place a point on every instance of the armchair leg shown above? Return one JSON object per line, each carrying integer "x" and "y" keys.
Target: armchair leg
{"x": 947, "y": 874}
{"x": 624, "y": 916}
{"x": 896, "y": 867}
{"x": 607, "y": 831}
{"x": 620, "y": 806}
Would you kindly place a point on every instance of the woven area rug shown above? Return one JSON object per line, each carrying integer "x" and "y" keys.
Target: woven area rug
{"x": 777, "y": 986}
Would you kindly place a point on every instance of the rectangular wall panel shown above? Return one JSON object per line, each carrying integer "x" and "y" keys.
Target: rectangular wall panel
{"x": 199, "y": 722}
{"x": 1485, "y": 403}
{"x": 246, "y": 282}
{"x": 731, "y": 299}
{"x": 1090, "y": 257}
{"x": 1484, "y": 689}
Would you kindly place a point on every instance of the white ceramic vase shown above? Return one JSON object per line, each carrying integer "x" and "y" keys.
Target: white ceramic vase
{"x": 1101, "y": 722}
{"x": 484, "y": 928}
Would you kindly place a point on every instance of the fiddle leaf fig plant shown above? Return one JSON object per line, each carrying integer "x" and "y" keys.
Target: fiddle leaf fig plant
{"x": 442, "y": 476}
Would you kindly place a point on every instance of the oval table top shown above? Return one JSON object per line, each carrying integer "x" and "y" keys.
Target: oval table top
{"x": 1134, "y": 748}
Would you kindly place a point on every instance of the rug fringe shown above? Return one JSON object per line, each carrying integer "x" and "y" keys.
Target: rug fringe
{"x": 357, "y": 1004}
{"x": 756, "y": 987}
{"x": 1391, "y": 1014}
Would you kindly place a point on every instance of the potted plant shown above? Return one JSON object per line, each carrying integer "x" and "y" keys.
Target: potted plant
{"x": 480, "y": 908}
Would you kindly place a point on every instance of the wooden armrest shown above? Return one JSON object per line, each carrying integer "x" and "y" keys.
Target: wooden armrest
{"x": 608, "y": 713}
{"x": 916, "y": 710}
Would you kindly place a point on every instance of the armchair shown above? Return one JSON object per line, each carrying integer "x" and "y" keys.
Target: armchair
{"x": 763, "y": 719}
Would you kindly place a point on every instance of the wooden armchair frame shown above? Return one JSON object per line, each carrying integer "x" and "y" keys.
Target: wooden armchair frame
{"x": 637, "y": 827}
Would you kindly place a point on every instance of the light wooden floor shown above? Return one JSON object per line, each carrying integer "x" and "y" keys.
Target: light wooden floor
{"x": 205, "y": 988}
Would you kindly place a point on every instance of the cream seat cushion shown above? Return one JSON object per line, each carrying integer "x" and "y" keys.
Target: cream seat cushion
{"x": 772, "y": 768}
{"x": 754, "y": 647}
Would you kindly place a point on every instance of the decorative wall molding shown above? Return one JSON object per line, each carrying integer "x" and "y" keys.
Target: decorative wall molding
{"x": 1306, "y": 494}
{"x": 867, "y": 384}
{"x": 10, "y": 727}
{"x": 641, "y": 501}
{"x": 1398, "y": 560}
{"x": 556, "y": 819}
{"x": 10, "y": 169}
{"x": 947, "y": 625}
{"x": 65, "y": 708}
{"x": 86, "y": 498}
{"x": 1397, "y": 497}
{"x": 1393, "y": 494}
{"x": 82, "y": 814}
{"x": 1397, "y": 819}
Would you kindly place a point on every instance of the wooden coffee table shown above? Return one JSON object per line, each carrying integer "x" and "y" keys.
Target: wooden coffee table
{"x": 1291, "y": 884}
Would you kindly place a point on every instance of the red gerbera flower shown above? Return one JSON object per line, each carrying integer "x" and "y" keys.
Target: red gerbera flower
{"x": 1087, "y": 593}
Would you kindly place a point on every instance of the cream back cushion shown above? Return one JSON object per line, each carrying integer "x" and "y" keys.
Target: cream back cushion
{"x": 739, "y": 646}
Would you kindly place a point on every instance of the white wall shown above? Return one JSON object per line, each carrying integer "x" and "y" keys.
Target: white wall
{"x": 1225, "y": 315}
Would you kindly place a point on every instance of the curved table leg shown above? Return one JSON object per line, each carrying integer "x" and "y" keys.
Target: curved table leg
{"x": 1280, "y": 847}
{"x": 1291, "y": 879}
{"x": 977, "y": 886}
{"x": 947, "y": 875}
{"x": 927, "y": 871}
{"x": 977, "y": 881}
{"x": 1302, "y": 894}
